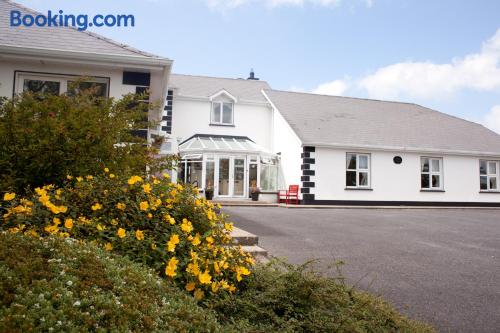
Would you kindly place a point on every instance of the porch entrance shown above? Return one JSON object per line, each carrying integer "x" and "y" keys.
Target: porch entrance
{"x": 230, "y": 178}
{"x": 229, "y": 166}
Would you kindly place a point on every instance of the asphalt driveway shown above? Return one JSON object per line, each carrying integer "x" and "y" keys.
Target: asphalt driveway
{"x": 442, "y": 266}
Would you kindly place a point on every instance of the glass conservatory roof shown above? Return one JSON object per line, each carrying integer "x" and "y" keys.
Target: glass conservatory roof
{"x": 219, "y": 143}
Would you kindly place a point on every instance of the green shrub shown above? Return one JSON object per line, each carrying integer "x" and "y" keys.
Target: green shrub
{"x": 279, "y": 297}
{"x": 54, "y": 285}
{"x": 43, "y": 138}
{"x": 158, "y": 223}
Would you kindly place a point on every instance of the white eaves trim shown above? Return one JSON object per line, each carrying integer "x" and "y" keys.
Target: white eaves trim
{"x": 84, "y": 57}
{"x": 402, "y": 149}
{"x": 223, "y": 92}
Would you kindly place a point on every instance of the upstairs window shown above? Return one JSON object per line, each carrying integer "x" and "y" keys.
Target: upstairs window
{"x": 357, "y": 170}
{"x": 488, "y": 175}
{"x": 222, "y": 113}
{"x": 54, "y": 84}
{"x": 431, "y": 173}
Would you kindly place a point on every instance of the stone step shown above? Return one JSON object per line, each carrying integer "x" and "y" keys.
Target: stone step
{"x": 244, "y": 238}
{"x": 258, "y": 253}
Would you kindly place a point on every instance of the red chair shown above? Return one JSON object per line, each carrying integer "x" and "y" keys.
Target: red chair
{"x": 290, "y": 195}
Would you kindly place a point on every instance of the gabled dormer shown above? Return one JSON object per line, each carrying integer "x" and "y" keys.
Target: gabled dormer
{"x": 222, "y": 108}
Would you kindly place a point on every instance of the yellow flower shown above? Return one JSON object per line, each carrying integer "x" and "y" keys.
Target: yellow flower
{"x": 197, "y": 203}
{"x": 228, "y": 226}
{"x": 79, "y": 179}
{"x": 190, "y": 286}
{"x": 121, "y": 233}
{"x": 153, "y": 247}
{"x": 106, "y": 170}
{"x": 173, "y": 241}
{"x": 196, "y": 240}
{"x": 111, "y": 175}
{"x": 186, "y": 226}
{"x": 198, "y": 294}
{"x": 210, "y": 240}
{"x": 68, "y": 223}
{"x": 100, "y": 227}
{"x": 205, "y": 278}
{"x": 215, "y": 287}
{"x": 108, "y": 247}
{"x": 69, "y": 177}
{"x": 146, "y": 188}
{"x": 89, "y": 177}
{"x": 169, "y": 219}
{"x": 193, "y": 268}
{"x": 150, "y": 216}
{"x": 139, "y": 235}
{"x": 241, "y": 271}
{"x": 9, "y": 196}
{"x": 166, "y": 176}
{"x": 114, "y": 222}
{"x": 56, "y": 221}
{"x": 170, "y": 269}
{"x": 52, "y": 229}
{"x": 96, "y": 206}
{"x": 134, "y": 179}
{"x": 121, "y": 206}
{"x": 144, "y": 205}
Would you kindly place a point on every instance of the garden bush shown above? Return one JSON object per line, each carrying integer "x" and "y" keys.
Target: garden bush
{"x": 45, "y": 137}
{"x": 280, "y": 297}
{"x": 55, "y": 285}
{"x": 164, "y": 225}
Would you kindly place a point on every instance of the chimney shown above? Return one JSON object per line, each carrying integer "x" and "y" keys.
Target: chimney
{"x": 252, "y": 75}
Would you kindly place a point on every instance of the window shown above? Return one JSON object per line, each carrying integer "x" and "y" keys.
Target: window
{"x": 269, "y": 172}
{"x": 60, "y": 84}
{"x": 431, "y": 173}
{"x": 357, "y": 170}
{"x": 222, "y": 113}
{"x": 190, "y": 171}
{"x": 488, "y": 175}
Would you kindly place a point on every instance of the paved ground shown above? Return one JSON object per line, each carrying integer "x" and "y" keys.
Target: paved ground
{"x": 442, "y": 266}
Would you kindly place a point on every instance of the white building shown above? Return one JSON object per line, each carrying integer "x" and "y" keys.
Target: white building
{"x": 235, "y": 133}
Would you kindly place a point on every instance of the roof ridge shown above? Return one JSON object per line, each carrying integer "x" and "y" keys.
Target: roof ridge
{"x": 93, "y": 34}
{"x": 221, "y": 78}
{"x": 338, "y": 96}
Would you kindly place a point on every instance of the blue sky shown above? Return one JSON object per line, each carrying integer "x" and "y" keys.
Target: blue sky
{"x": 441, "y": 54}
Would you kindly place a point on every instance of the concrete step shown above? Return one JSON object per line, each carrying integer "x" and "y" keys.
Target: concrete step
{"x": 258, "y": 253}
{"x": 244, "y": 238}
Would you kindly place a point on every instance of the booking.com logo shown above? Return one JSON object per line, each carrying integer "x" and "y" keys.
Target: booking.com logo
{"x": 81, "y": 22}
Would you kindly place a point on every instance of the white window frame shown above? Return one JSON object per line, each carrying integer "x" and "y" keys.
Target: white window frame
{"x": 358, "y": 170}
{"x": 220, "y": 121}
{"x": 431, "y": 173}
{"x": 489, "y": 175}
{"x": 61, "y": 78}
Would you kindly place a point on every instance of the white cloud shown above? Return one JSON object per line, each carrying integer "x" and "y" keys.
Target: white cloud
{"x": 336, "y": 87}
{"x": 477, "y": 71}
{"x": 492, "y": 119}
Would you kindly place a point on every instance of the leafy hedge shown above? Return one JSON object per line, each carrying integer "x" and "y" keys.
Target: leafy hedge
{"x": 54, "y": 285}
{"x": 43, "y": 138}
{"x": 164, "y": 225}
{"x": 280, "y": 297}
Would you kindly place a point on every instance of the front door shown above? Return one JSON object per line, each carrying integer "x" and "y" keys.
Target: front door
{"x": 230, "y": 177}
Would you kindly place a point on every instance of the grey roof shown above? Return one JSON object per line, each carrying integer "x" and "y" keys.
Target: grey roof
{"x": 352, "y": 122}
{"x": 58, "y": 38}
{"x": 205, "y": 86}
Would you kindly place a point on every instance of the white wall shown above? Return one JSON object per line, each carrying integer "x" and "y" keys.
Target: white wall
{"x": 191, "y": 117}
{"x": 289, "y": 145}
{"x": 392, "y": 182}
